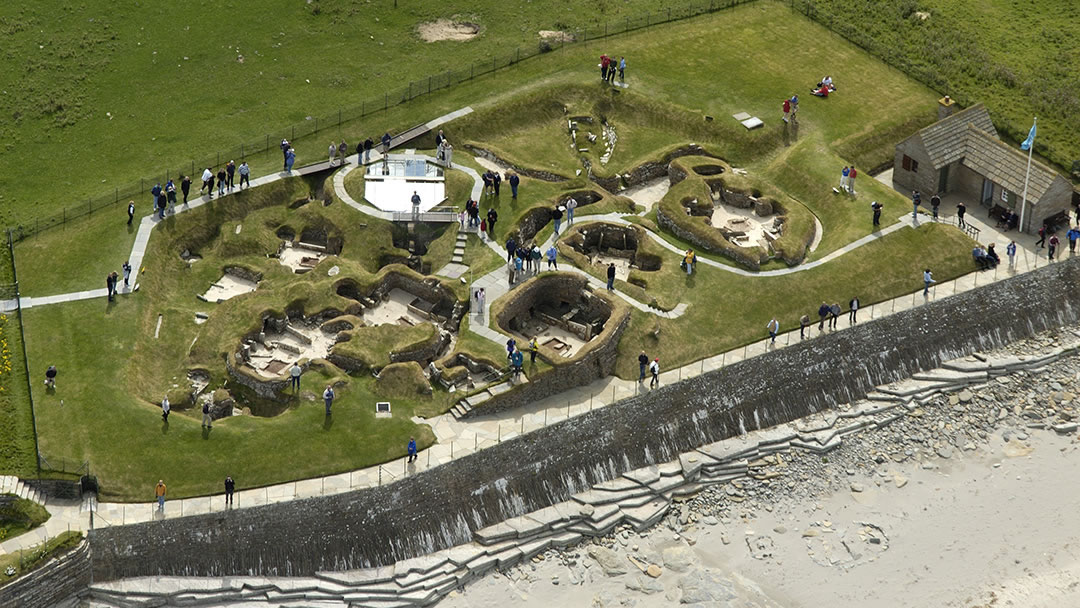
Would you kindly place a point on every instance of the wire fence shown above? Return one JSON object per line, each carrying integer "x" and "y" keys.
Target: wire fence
{"x": 11, "y": 292}
{"x": 270, "y": 141}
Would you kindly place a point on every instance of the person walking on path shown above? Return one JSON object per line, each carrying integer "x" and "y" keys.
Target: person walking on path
{"x": 208, "y": 183}
{"x": 245, "y": 175}
{"x": 511, "y": 249}
{"x": 207, "y": 420}
{"x": 50, "y": 377}
{"x": 935, "y": 202}
{"x": 412, "y": 449}
{"x": 1051, "y": 250}
{"x": 853, "y": 307}
{"x": 131, "y": 212}
{"x": 643, "y": 364}
{"x": 1042, "y": 236}
{"x": 492, "y": 217}
{"x": 514, "y": 181}
{"x": 535, "y": 256}
{"x": 165, "y": 409}
{"x": 511, "y": 346}
{"x": 823, "y": 313}
{"x": 1010, "y": 249}
{"x": 230, "y": 487}
{"x": 285, "y": 145}
{"x": 961, "y": 209}
{"x": 230, "y": 171}
{"x": 415, "y": 200}
{"x": 804, "y": 322}
{"x": 368, "y": 145}
{"x": 333, "y": 152}
{"x": 1072, "y": 235}
{"x": 343, "y": 151}
{"x": 160, "y": 491}
{"x": 571, "y": 205}
{"x": 916, "y": 198}
{"x": 688, "y": 261}
{"x": 290, "y": 158}
{"x": 517, "y": 360}
{"x": 654, "y": 369}
{"x": 556, "y": 216}
{"x": 386, "y": 140}
{"x": 222, "y": 176}
{"x": 170, "y": 196}
{"x": 876, "y": 206}
{"x": 927, "y": 279}
{"x": 774, "y": 328}
{"x": 534, "y": 347}
{"x": 834, "y": 315}
{"x": 851, "y": 181}
{"x": 611, "y": 277}
{"x": 185, "y": 187}
{"x": 552, "y": 253}
{"x": 496, "y": 181}
{"x": 156, "y": 193}
{"x": 294, "y": 376}
{"x": 110, "y": 284}
{"x": 328, "y": 398}
{"x": 126, "y": 268}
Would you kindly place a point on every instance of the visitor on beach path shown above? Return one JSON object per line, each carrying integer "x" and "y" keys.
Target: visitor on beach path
{"x": 230, "y": 172}
{"x": 611, "y": 277}
{"x": 156, "y": 193}
{"x": 294, "y": 376}
{"x": 804, "y": 322}
{"x": 230, "y": 487}
{"x": 1049, "y": 253}
{"x": 328, "y": 398}
{"x": 556, "y": 216}
{"x": 165, "y": 409}
{"x": 207, "y": 421}
{"x": 131, "y": 212}
{"x": 1010, "y": 249}
{"x": 50, "y": 377}
{"x": 412, "y": 449}
{"x": 514, "y": 180}
{"x": 774, "y": 328}
{"x": 448, "y": 154}
{"x": 876, "y": 206}
{"x": 245, "y": 175}
{"x": 853, "y": 308}
{"x": 126, "y": 269}
{"x": 928, "y": 279}
{"x": 571, "y": 205}
{"x": 643, "y": 364}
{"x": 552, "y": 253}
{"x": 110, "y": 284}
{"x": 160, "y": 491}
{"x": 961, "y": 210}
{"x": 185, "y": 186}
{"x": 935, "y": 202}
{"x": 496, "y": 181}
{"x": 654, "y": 369}
{"x": 823, "y": 313}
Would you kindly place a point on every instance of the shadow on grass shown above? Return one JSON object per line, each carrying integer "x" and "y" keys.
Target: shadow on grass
{"x": 328, "y": 422}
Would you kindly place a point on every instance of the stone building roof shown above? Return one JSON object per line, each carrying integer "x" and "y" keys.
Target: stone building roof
{"x": 946, "y": 140}
{"x": 1003, "y": 164}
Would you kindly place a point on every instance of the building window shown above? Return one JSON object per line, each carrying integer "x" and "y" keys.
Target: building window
{"x": 910, "y": 164}
{"x": 1004, "y": 196}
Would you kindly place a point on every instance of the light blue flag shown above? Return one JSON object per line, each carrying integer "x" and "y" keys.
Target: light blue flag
{"x": 1030, "y": 139}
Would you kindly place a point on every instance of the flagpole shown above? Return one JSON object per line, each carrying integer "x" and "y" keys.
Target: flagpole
{"x": 1023, "y": 199}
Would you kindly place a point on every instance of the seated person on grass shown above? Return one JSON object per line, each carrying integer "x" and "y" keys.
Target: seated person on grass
{"x": 990, "y": 253}
{"x": 980, "y": 257}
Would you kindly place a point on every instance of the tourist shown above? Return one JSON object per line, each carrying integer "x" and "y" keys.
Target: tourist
{"x": 643, "y": 363}
{"x": 412, "y": 449}
{"x": 343, "y": 151}
{"x": 131, "y": 212}
{"x": 611, "y": 277}
{"x": 571, "y": 204}
{"x": 156, "y": 193}
{"x": 844, "y": 177}
{"x": 170, "y": 196}
{"x": 486, "y": 178}
{"x": 688, "y": 261}
{"x": 774, "y": 328}
{"x": 207, "y": 420}
{"x": 208, "y": 183}
{"x": 1072, "y": 235}
{"x": 483, "y": 228}
{"x": 604, "y": 62}
{"x": 110, "y": 284}
{"x": 876, "y": 206}
{"x": 535, "y": 256}
{"x": 126, "y": 268}
{"x": 185, "y": 186}
{"x": 556, "y": 216}
{"x": 1010, "y": 249}
{"x": 50, "y": 377}
{"x": 415, "y": 200}
{"x": 1049, "y": 253}
{"x": 994, "y": 258}
{"x": 440, "y": 157}
{"x": 333, "y": 152}
{"x": 221, "y": 177}
{"x": 290, "y": 158}
{"x": 787, "y": 109}
{"x": 851, "y": 180}
{"x": 496, "y": 181}
{"x": 492, "y": 217}
{"x": 519, "y": 265}
{"x": 794, "y": 107}
{"x": 517, "y": 360}
{"x": 534, "y": 346}
{"x": 611, "y": 71}
{"x": 935, "y": 202}
{"x": 439, "y": 138}
{"x": 961, "y": 209}
{"x": 928, "y": 279}
{"x": 853, "y": 310}
{"x": 804, "y": 322}
{"x": 159, "y": 492}
{"x": 328, "y": 398}
{"x": 360, "y": 153}
{"x": 230, "y": 487}
{"x": 654, "y": 369}
{"x": 1042, "y": 236}
{"x": 834, "y": 315}
{"x": 230, "y": 171}
{"x": 386, "y": 140}
{"x": 916, "y": 198}
{"x": 511, "y": 248}
{"x": 981, "y": 259}
{"x": 165, "y": 409}
{"x": 480, "y": 296}
{"x": 294, "y": 376}
{"x": 448, "y": 154}
{"x": 511, "y": 346}
{"x": 285, "y": 146}
{"x": 522, "y": 255}
{"x": 552, "y": 253}
{"x": 514, "y": 180}
{"x": 823, "y": 313}
{"x": 622, "y": 70}
{"x": 245, "y": 175}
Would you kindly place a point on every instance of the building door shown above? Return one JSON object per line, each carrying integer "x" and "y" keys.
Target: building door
{"x": 943, "y": 179}
{"x": 987, "y": 192}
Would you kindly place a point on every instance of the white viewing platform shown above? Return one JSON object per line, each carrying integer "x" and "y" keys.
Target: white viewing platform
{"x": 389, "y": 184}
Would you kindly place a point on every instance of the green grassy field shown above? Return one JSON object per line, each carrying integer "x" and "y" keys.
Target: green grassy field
{"x": 16, "y": 421}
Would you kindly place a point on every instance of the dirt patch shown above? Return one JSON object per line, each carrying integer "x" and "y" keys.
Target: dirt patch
{"x": 557, "y": 36}
{"x": 445, "y": 29}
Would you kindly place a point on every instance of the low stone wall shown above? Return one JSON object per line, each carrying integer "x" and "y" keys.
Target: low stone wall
{"x": 263, "y": 387}
{"x": 445, "y": 506}
{"x": 735, "y": 253}
{"x": 446, "y": 303}
{"x": 648, "y": 171}
{"x": 427, "y": 351}
{"x": 546, "y": 176}
{"x": 50, "y": 585}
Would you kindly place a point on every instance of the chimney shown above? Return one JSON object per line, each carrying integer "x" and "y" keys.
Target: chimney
{"x": 945, "y": 107}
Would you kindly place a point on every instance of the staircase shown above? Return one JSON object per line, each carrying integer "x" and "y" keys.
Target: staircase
{"x": 459, "y": 246}
{"x": 9, "y": 484}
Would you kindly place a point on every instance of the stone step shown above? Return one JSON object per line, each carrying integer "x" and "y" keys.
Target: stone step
{"x": 457, "y": 259}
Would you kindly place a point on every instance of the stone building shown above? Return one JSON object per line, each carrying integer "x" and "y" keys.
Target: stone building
{"x": 961, "y": 154}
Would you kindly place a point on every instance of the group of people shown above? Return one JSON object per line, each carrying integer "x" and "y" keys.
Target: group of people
{"x": 112, "y": 280}
{"x": 288, "y": 155}
{"x": 847, "y": 179}
{"x": 338, "y": 150}
{"x": 791, "y": 108}
{"x": 827, "y": 314}
{"x": 524, "y": 259}
{"x": 470, "y": 218}
{"x": 444, "y": 152}
{"x": 824, "y": 87}
{"x": 161, "y": 491}
{"x": 517, "y": 359}
{"x": 653, "y": 368}
{"x": 689, "y": 261}
{"x": 608, "y": 68}
{"x": 225, "y": 178}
